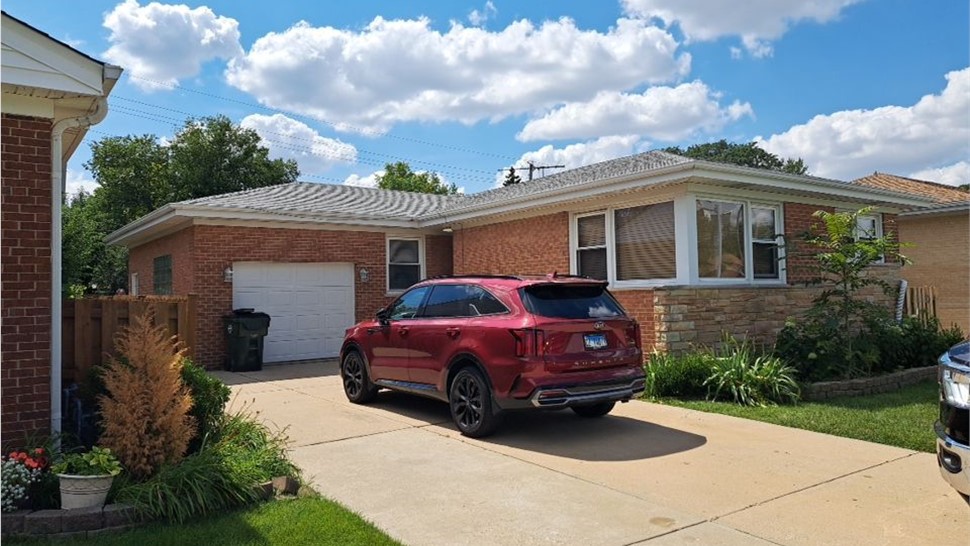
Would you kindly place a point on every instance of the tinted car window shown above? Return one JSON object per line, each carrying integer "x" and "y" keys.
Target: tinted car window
{"x": 570, "y": 301}
{"x": 460, "y": 300}
{"x": 407, "y": 305}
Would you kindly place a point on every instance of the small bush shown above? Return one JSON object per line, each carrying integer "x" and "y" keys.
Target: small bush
{"x": 682, "y": 376}
{"x": 209, "y": 399}
{"x": 145, "y": 411}
{"x": 751, "y": 379}
{"x": 224, "y": 474}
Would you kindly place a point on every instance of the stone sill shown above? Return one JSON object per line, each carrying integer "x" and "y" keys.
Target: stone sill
{"x": 868, "y": 385}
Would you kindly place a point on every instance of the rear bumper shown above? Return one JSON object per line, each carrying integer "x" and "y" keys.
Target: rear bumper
{"x": 954, "y": 460}
{"x": 628, "y": 385}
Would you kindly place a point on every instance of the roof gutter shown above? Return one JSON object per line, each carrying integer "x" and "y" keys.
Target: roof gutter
{"x": 58, "y": 167}
{"x": 949, "y": 208}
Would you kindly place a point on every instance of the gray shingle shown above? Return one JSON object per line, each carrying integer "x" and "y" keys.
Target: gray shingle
{"x": 322, "y": 199}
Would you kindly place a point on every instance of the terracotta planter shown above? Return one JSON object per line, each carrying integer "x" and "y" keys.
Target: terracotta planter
{"x": 84, "y": 491}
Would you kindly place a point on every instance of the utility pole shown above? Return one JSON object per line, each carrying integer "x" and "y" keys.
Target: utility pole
{"x": 533, "y": 168}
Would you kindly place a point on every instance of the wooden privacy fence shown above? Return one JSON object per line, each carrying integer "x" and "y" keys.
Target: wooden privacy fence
{"x": 921, "y": 301}
{"x": 91, "y": 324}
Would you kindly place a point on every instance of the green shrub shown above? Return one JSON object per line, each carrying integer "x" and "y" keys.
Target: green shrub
{"x": 914, "y": 342}
{"x": 240, "y": 455}
{"x": 679, "y": 376}
{"x": 751, "y": 379}
{"x": 209, "y": 399}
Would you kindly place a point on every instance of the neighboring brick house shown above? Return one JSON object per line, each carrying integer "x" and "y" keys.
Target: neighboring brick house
{"x": 51, "y": 94}
{"x": 938, "y": 243}
{"x": 689, "y": 247}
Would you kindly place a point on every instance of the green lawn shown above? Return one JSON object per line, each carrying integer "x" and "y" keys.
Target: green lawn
{"x": 309, "y": 520}
{"x": 903, "y": 418}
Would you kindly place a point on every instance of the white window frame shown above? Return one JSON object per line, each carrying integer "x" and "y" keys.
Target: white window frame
{"x": 877, "y": 219}
{"x": 680, "y": 237}
{"x": 574, "y": 225}
{"x": 749, "y": 277}
{"x": 133, "y": 285}
{"x": 422, "y": 260}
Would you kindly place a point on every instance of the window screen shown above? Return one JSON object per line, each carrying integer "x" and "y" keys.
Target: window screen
{"x": 403, "y": 263}
{"x": 162, "y": 275}
{"x": 645, "y": 246}
{"x": 591, "y": 248}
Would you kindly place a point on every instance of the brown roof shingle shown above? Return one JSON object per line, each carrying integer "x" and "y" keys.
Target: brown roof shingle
{"x": 941, "y": 193}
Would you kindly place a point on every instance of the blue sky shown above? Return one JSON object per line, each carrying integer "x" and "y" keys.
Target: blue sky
{"x": 466, "y": 89}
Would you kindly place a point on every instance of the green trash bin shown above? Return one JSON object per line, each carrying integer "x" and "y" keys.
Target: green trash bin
{"x": 245, "y": 330}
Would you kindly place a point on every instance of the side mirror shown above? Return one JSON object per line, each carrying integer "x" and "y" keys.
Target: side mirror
{"x": 384, "y": 316}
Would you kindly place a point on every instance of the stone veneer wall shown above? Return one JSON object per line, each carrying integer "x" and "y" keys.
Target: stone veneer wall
{"x": 687, "y": 317}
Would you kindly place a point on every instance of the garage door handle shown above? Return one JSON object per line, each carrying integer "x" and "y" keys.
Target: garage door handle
{"x": 452, "y": 332}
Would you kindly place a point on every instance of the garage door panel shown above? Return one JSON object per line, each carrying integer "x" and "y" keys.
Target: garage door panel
{"x": 310, "y": 305}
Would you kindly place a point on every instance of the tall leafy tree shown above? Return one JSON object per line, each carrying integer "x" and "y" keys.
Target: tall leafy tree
{"x": 139, "y": 173}
{"x": 399, "y": 176}
{"x": 746, "y": 155}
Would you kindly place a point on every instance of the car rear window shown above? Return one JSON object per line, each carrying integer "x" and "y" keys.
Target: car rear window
{"x": 570, "y": 301}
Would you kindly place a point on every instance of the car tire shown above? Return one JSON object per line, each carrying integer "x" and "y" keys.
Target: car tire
{"x": 357, "y": 384}
{"x": 470, "y": 399}
{"x": 594, "y": 410}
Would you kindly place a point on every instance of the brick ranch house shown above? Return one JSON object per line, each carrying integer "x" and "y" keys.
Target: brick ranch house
{"x": 939, "y": 243}
{"x": 689, "y": 247}
{"x": 51, "y": 94}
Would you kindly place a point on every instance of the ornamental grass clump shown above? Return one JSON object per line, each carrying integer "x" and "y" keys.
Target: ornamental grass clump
{"x": 145, "y": 411}
{"x": 749, "y": 378}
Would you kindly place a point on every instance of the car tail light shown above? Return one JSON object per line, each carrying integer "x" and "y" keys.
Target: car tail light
{"x": 528, "y": 341}
{"x": 633, "y": 334}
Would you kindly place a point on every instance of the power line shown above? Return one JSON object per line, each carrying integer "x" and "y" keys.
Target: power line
{"x": 336, "y": 126}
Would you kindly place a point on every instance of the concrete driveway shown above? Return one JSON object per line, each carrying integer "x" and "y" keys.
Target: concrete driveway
{"x": 646, "y": 474}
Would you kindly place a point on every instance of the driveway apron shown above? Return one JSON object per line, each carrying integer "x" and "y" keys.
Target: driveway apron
{"x": 645, "y": 474}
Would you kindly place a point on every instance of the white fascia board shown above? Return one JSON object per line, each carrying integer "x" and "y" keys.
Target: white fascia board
{"x": 32, "y": 59}
{"x": 141, "y": 229}
{"x": 659, "y": 177}
{"x": 23, "y": 105}
{"x": 716, "y": 172}
{"x": 962, "y": 207}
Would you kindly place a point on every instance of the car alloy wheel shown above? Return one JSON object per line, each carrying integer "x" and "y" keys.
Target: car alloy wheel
{"x": 471, "y": 404}
{"x": 357, "y": 386}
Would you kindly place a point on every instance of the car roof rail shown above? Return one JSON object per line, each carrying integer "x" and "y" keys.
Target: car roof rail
{"x": 476, "y": 276}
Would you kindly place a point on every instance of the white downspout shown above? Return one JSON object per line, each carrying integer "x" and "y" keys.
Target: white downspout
{"x": 57, "y": 198}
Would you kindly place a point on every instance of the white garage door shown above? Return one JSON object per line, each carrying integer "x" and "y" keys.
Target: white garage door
{"x": 310, "y": 305}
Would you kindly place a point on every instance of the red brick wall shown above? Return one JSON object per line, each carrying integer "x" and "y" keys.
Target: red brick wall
{"x": 531, "y": 246}
{"x": 180, "y": 246}
{"x": 438, "y": 251}
{"x": 799, "y": 219}
{"x": 201, "y": 254}
{"x": 25, "y": 257}
{"x": 640, "y": 305}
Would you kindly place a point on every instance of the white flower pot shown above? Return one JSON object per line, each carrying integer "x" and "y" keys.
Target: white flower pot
{"x": 84, "y": 491}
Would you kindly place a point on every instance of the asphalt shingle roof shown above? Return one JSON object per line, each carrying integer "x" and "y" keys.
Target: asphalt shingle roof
{"x": 307, "y": 198}
{"x": 940, "y": 193}
{"x": 319, "y": 199}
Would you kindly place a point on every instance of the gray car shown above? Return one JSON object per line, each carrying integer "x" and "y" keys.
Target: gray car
{"x": 953, "y": 427}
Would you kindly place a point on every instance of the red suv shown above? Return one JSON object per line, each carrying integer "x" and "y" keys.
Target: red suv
{"x": 486, "y": 344}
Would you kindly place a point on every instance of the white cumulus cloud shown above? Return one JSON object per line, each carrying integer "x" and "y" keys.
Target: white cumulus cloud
{"x": 756, "y": 22}
{"x": 395, "y": 71}
{"x": 77, "y": 181}
{"x": 662, "y": 113}
{"x": 366, "y": 181}
{"x": 160, "y": 44}
{"x": 575, "y": 155}
{"x": 951, "y": 175}
{"x": 479, "y": 18}
{"x": 288, "y": 138}
{"x": 894, "y": 139}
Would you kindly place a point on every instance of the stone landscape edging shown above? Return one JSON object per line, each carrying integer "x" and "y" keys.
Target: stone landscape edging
{"x": 867, "y": 385}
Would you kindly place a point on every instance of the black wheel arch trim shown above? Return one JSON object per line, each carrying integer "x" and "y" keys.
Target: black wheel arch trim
{"x": 353, "y": 346}
{"x": 475, "y": 362}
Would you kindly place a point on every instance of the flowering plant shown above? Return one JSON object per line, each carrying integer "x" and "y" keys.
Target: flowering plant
{"x": 18, "y": 471}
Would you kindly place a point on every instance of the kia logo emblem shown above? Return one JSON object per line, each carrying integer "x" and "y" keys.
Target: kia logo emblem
{"x": 600, "y": 325}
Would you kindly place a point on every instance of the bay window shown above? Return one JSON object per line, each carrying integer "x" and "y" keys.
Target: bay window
{"x": 591, "y": 247}
{"x": 644, "y": 242}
